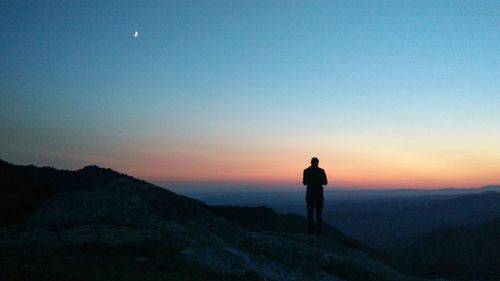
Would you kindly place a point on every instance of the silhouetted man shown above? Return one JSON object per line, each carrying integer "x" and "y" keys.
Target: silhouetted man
{"x": 314, "y": 178}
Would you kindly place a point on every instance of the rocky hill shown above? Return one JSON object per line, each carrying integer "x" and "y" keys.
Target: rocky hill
{"x": 97, "y": 224}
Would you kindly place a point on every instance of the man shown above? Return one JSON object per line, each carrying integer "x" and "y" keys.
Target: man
{"x": 314, "y": 178}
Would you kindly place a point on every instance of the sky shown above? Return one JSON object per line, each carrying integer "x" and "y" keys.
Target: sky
{"x": 385, "y": 93}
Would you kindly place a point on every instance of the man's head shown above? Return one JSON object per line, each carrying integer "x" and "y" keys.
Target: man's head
{"x": 314, "y": 162}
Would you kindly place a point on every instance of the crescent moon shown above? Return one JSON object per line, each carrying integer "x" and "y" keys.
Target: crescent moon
{"x": 136, "y": 34}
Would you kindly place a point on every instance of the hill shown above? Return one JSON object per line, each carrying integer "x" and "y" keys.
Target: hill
{"x": 459, "y": 253}
{"x": 21, "y": 194}
{"x": 97, "y": 224}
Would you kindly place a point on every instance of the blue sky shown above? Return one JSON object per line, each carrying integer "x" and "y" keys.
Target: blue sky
{"x": 379, "y": 90}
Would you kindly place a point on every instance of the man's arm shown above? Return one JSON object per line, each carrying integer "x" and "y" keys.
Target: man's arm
{"x": 304, "y": 178}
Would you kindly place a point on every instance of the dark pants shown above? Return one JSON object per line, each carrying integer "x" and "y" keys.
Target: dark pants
{"x": 314, "y": 199}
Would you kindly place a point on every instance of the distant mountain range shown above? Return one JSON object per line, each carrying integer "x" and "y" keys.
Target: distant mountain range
{"x": 294, "y": 196}
{"x": 98, "y": 224}
{"x": 393, "y": 223}
{"x": 358, "y": 195}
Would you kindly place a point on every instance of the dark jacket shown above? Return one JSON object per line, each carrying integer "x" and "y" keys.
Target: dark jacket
{"x": 314, "y": 177}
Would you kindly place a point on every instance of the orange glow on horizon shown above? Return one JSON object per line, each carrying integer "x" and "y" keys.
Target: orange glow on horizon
{"x": 353, "y": 175}
{"x": 348, "y": 164}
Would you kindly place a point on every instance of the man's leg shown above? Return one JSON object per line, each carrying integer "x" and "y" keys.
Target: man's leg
{"x": 319, "y": 216}
{"x": 310, "y": 216}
